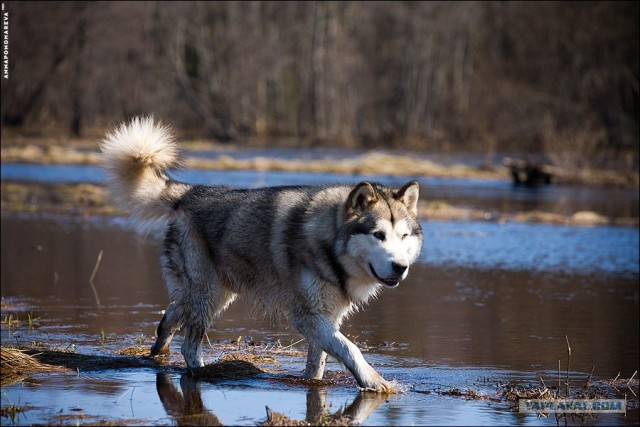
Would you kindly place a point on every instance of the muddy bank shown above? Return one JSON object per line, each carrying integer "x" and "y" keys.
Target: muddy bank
{"x": 91, "y": 199}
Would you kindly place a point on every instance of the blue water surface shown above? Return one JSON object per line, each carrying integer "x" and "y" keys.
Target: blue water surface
{"x": 541, "y": 247}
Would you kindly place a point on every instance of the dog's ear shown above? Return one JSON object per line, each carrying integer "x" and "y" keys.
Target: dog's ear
{"x": 361, "y": 198}
{"x": 409, "y": 196}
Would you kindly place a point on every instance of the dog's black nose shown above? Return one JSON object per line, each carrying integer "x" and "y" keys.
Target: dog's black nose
{"x": 399, "y": 269}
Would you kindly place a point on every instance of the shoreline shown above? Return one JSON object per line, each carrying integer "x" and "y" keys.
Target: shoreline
{"x": 377, "y": 162}
{"x": 92, "y": 200}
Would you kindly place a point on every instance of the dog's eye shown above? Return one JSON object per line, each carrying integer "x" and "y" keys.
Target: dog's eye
{"x": 379, "y": 235}
{"x": 404, "y": 236}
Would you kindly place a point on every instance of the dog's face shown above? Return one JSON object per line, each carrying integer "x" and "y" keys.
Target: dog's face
{"x": 385, "y": 237}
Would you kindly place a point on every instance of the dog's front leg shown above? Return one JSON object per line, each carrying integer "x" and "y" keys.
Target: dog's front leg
{"x": 327, "y": 336}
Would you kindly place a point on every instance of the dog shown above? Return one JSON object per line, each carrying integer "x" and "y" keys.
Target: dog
{"x": 314, "y": 254}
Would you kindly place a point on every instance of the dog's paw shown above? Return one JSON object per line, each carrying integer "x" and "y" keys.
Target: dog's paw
{"x": 377, "y": 384}
{"x": 195, "y": 363}
{"x": 157, "y": 350}
{"x": 386, "y": 387}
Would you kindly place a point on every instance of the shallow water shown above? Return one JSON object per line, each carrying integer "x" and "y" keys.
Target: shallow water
{"x": 488, "y": 303}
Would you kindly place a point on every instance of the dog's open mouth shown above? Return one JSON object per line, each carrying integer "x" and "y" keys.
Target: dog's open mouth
{"x": 391, "y": 282}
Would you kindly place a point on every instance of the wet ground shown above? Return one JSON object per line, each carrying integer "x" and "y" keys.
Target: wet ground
{"x": 488, "y": 304}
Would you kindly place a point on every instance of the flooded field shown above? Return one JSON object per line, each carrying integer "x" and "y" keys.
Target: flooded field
{"x": 488, "y": 194}
{"x": 487, "y": 306}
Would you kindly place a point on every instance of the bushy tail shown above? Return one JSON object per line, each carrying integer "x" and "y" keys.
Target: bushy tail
{"x": 136, "y": 157}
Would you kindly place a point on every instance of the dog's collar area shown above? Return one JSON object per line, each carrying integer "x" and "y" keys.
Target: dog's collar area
{"x": 390, "y": 282}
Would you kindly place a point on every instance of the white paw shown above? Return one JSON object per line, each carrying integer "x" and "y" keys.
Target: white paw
{"x": 375, "y": 383}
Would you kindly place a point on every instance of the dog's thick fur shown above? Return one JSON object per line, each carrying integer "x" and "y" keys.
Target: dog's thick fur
{"x": 311, "y": 253}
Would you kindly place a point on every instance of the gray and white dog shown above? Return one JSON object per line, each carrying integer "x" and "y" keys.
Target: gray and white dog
{"x": 311, "y": 253}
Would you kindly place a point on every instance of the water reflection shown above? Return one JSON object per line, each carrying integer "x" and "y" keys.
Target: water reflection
{"x": 186, "y": 407}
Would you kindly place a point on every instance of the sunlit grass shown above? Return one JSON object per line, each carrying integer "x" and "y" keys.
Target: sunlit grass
{"x": 373, "y": 162}
{"x": 91, "y": 199}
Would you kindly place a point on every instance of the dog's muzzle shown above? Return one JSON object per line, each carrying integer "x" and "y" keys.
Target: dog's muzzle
{"x": 391, "y": 281}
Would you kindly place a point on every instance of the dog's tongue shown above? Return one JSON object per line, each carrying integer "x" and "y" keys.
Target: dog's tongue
{"x": 392, "y": 283}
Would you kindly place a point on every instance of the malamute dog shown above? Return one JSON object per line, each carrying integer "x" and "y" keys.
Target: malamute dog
{"x": 311, "y": 253}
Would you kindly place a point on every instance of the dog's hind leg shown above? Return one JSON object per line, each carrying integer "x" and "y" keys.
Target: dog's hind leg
{"x": 192, "y": 345}
{"x": 195, "y": 288}
{"x": 168, "y": 326}
{"x": 198, "y": 305}
{"x": 316, "y": 359}
{"x": 204, "y": 305}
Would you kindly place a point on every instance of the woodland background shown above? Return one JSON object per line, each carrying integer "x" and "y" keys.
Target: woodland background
{"x": 557, "y": 78}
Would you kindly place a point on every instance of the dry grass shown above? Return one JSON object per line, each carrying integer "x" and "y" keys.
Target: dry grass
{"x": 377, "y": 163}
{"x": 40, "y": 359}
{"x": 515, "y": 392}
{"x": 565, "y": 389}
{"x": 594, "y": 177}
{"x": 468, "y": 394}
{"x": 334, "y": 419}
{"x": 77, "y": 199}
{"x": 277, "y": 419}
{"x": 42, "y": 150}
{"x": 241, "y": 346}
{"x": 90, "y": 199}
{"x": 374, "y": 163}
{"x": 17, "y": 364}
{"x": 625, "y": 388}
{"x": 436, "y": 210}
{"x": 249, "y": 357}
{"x": 135, "y": 351}
{"x": 50, "y": 154}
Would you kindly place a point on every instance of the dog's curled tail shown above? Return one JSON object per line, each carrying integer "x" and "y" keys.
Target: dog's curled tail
{"x": 137, "y": 156}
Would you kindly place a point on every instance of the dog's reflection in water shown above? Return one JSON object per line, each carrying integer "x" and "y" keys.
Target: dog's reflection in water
{"x": 362, "y": 406}
{"x": 186, "y": 406}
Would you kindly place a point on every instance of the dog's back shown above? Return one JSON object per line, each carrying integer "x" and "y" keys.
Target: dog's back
{"x": 260, "y": 240}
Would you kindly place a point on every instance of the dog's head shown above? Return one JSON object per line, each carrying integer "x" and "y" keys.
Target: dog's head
{"x": 383, "y": 232}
